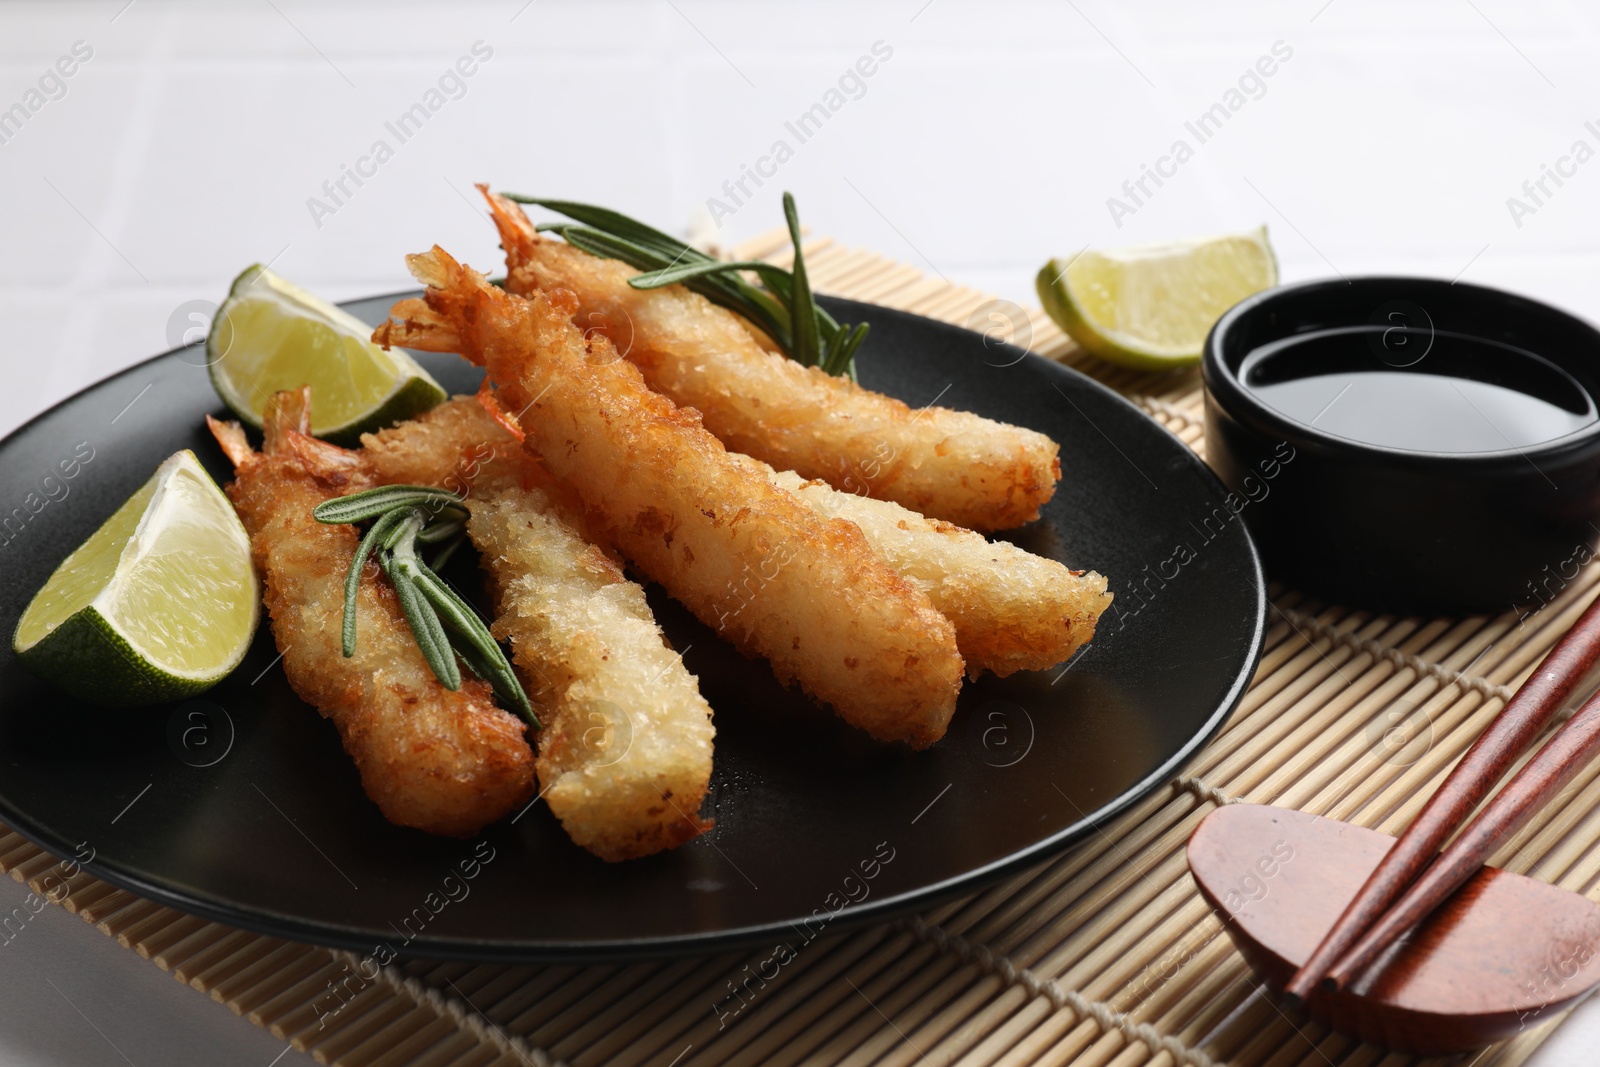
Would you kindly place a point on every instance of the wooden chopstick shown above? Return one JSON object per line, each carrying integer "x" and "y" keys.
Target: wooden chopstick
{"x": 1562, "y": 757}
{"x": 1485, "y": 763}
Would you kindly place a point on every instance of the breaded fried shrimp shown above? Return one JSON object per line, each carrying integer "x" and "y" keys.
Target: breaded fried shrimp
{"x": 624, "y": 755}
{"x": 953, "y": 465}
{"x": 806, "y": 592}
{"x": 441, "y": 761}
{"x": 1012, "y": 610}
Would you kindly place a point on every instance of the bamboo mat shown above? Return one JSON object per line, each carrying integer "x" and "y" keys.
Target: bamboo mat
{"x": 1105, "y": 957}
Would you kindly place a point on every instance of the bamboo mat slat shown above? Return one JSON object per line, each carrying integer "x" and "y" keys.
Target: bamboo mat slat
{"x": 1103, "y": 957}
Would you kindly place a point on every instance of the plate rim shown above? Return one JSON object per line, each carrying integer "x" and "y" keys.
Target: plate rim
{"x": 851, "y": 917}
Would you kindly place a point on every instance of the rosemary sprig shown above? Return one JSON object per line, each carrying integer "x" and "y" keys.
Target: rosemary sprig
{"x": 780, "y": 301}
{"x": 445, "y": 626}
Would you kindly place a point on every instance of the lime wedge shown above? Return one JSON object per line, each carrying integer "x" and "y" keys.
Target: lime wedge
{"x": 271, "y": 335}
{"x": 1151, "y": 307}
{"x": 159, "y": 603}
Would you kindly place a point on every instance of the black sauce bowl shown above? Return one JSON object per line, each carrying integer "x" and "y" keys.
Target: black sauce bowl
{"x": 1391, "y": 528}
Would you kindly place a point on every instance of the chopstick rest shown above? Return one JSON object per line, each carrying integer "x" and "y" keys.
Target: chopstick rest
{"x": 1502, "y": 954}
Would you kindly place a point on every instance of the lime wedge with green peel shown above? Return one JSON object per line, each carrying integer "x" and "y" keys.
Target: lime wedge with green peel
{"x": 1151, "y": 307}
{"x": 271, "y": 335}
{"x": 159, "y": 603}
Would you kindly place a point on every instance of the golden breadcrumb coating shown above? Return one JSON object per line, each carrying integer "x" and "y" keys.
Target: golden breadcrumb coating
{"x": 456, "y": 446}
{"x": 1012, "y": 610}
{"x": 943, "y": 463}
{"x": 777, "y": 580}
{"x": 624, "y": 752}
{"x": 445, "y": 762}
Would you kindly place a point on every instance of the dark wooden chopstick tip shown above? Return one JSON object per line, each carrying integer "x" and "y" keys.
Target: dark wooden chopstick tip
{"x": 1302, "y": 984}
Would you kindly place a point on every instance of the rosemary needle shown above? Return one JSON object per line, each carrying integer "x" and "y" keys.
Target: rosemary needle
{"x": 443, "y": 624}
{"x": 780, "y": 302}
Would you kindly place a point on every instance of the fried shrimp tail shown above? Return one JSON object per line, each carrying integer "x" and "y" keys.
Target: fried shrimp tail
{"x": 440, "y": 761}
{"x": 1012, "y": 610}
{"x": 806, "y": 592}
{"x": 953, "y": 465}
{"x": 624, "y": 756}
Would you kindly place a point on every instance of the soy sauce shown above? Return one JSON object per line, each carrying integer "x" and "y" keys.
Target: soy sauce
{"x": 1423, "y": 390}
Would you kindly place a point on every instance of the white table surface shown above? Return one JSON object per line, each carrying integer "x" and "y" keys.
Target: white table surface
{"x": 991, "y": 138}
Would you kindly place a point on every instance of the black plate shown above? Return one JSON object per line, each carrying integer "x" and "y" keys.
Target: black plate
{"x": 241, "y": 807}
